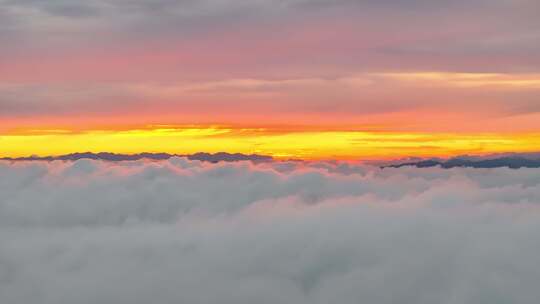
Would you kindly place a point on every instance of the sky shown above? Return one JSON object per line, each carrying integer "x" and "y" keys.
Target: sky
{"x": 330, "y": 82}
{"x": 313, "y": 79}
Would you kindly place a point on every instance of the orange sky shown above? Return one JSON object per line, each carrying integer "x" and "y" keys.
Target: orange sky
{"x": 282, "y": 143}
{"x": 298, "y": 78}
{"x": 368, "y": 116}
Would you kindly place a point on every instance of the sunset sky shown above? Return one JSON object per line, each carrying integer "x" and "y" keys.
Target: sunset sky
{"x": 397, "y": 142}
{"x": 311, "y": 79}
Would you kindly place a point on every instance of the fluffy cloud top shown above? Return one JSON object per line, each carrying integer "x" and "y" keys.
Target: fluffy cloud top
{"x": 182, "y": 231}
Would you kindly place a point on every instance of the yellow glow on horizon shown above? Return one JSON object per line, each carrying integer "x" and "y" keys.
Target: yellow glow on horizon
{"x": 279, "y": 144}
{"x": 469, "y": 80}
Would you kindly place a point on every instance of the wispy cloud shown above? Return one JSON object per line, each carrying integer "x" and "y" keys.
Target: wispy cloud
{"x": 383, "y": 99}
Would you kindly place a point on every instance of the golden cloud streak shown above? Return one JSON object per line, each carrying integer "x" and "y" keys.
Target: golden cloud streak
{"x": 310, "y": 144}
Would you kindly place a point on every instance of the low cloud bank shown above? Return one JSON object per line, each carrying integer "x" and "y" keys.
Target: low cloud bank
{"x": 180, "y": 231}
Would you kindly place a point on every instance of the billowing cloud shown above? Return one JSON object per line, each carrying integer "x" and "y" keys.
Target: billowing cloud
{"x": 285, "y": 232}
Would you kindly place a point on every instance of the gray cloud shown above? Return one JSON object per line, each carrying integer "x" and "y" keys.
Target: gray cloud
{"x": 462, "y": 32}
{"x": 62, "y": 8}
{"x": 181, "y": 231}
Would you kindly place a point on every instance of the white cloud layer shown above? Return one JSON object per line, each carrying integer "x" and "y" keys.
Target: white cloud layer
{"x": 187, "y": 232}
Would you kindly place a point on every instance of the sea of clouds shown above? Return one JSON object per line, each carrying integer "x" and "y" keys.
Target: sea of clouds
{"x": 180, "y": 231}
